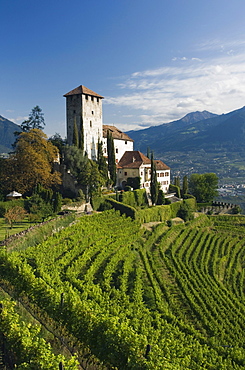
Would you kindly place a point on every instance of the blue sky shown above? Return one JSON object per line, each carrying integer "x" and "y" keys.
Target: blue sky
{"x": 153, "y": 61}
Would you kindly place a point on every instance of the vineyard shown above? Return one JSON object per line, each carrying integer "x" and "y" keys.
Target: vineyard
{"x": 166, "y": 298}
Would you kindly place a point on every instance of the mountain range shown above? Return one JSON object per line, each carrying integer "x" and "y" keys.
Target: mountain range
{"x": 7, "y": 137}
{"x": 195, "y": 131}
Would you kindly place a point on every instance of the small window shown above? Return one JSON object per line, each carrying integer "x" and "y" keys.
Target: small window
{"x": 98, "y": 100}
{"x": 90, "y": 123}
{"x": 92, "y": 112}
{"x": 92, "y": 98}
{"x": 126, "y": 142}
{"x": 86, "y": 97}
{"x": 125, "y": 173}
{"x": 74, "y": 112}
{"x": 166, "y": 173}
{"x": 116, "y": 150}
{"x": 104, "y": 150}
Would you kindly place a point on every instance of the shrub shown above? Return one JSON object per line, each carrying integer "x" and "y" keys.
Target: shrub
{"x": 175, "y": 189}
{"x": 123, "y": 208}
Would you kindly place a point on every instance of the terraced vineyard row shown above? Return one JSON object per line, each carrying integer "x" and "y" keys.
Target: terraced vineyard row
{"x": 168, "y": 299}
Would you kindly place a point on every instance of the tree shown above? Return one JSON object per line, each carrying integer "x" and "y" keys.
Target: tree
{"x": 185, "y": 212}
{"x": 185, "y": 185}
{"x": 160, "y": 198}
{"x": 57, "y": 140}
{"x": 101, "y": 161}
{"x": 81, "y": 136}
{"x": 32, "y": 163}
{"x": 203, "y": 186}
{"x": 153, "y": 183}
{"x": 75, "y": 138}
{"x": 84, "y": 170}
{"x": 14, "y": 214}
{"x": 111, "y": 158}
{"x": 35, "y": 120}
{"x": 177, "y": 181}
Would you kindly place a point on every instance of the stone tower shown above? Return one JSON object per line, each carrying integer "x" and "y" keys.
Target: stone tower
{"x": 84, "y": 108}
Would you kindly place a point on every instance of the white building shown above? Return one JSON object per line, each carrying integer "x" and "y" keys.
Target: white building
{"x": 84, "y": 108}
{"x": 135, "y": 164}
{"x": 122, "y": 142}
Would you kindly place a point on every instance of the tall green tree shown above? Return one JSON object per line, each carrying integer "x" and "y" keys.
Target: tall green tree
{"x": 81, "y": 136}
{"x": 35, "y": 120}
{"x": 111, "y": 158}
{"x": 185, "y": 185}
{"x": 101, "y": 161}
{"x": 153, "y": 184}
{"x": 177, "y": 181}
{"x": 75, "y": 138}
{"x": 203, "y": 186}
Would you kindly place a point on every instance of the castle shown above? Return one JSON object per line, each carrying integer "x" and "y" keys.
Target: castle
{"x": 84, "y": 109}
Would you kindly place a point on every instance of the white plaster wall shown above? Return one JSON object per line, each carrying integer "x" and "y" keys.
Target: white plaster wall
{"x": 89, "y": 111}
{"x": 92, "y": 124}
{"x": 163, "y": 177}
{"x": 121, "y": 146}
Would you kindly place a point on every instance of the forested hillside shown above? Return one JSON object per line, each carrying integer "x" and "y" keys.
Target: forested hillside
{"x": 170, "y": 298}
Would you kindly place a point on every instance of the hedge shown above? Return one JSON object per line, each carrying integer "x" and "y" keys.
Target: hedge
{"x": 163, "y": 213}
{"x": 136, "y": 198}
{"x": 122, "y": 208}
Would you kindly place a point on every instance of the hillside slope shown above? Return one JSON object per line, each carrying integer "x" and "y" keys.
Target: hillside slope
{"x": 7, "y": 137}
{"x": 178, "y": 291}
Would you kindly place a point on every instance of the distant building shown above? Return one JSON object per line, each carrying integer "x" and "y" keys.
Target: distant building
{"x": 136, "y": 164}
{"x": 122, "y": 142}
{"x": 84, "y": 108}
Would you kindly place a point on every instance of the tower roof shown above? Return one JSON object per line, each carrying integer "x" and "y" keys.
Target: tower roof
{"x": 83, "y": 90}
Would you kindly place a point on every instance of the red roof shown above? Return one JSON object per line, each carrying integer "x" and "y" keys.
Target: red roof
{"x": 115, "y": 132}
{"x": 134, "y": 159}
{"x": 83, "y": 90}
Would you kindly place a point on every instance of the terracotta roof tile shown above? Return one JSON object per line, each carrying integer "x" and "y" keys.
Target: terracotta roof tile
{"x": 133, "y": 159}
{"x": 161, "y": 165}
{"x": 83, "y": 90}
{"x": 116, "y": 133}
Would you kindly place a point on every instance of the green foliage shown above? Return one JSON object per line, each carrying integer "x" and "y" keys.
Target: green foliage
{"x": 133, "y": 182}
{"x": 203, "y": 186}
{"x": 57, "y": 140}
{"x": 5, "y": 205}
{"x": 153, "y": 184}
{"x": 136, "y": 198}
{"x": 177, "y": 181}
{"x": 35, "y": 120}
{"x": 178, "y": 289}
{"x": 174, "y": 189}
{"x": 101, "y": 161}
{"x": 123, "y": 208}
{"x": 84, "y": 170}
{"x": 160, "y": 198}
{"x": 111, "y": 158}
{"x": 75, "y": 137}
{"x": 30, "y": 349}
{"x": 43, "y": 203}
{"x": 81, "y": 136}
{"x": 185, "y": 186}
{"x": 185, "y": 212}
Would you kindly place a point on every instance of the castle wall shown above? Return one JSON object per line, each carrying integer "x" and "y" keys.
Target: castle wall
{"x": 86, "y": 112}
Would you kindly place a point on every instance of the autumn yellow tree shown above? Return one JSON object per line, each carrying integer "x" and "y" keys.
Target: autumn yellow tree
{"x": 31, "y": 164}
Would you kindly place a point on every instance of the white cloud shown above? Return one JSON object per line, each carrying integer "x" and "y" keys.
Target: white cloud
{"x": 18, "y": 120}
{"x": 168, "y": 93}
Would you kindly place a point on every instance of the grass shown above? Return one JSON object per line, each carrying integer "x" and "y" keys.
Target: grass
{"x": 6, "y": 230}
